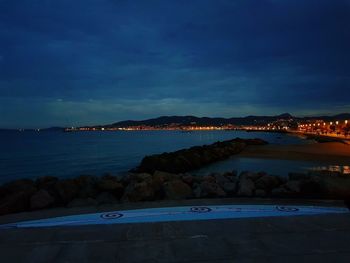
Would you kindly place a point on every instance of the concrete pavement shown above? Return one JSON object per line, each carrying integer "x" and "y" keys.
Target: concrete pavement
{"x": 322, "y": 238}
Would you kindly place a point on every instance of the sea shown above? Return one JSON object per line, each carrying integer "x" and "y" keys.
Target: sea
{"x": 31, "y": 154}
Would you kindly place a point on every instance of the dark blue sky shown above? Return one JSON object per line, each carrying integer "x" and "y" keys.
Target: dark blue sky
{"x": 98, "y": 61}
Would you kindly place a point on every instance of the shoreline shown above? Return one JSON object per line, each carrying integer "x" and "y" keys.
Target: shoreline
{"x": 331, "y": 151}
{"x": 155, "y": 179}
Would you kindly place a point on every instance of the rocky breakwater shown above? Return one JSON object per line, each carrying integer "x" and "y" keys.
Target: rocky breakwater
{"x": 48, "y": 192}
{"x": 195, "y": 157}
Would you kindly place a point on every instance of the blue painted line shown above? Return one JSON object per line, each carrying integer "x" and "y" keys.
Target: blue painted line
{"x": 185, "y": 213}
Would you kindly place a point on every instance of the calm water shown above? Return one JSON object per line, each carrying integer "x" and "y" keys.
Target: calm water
{"x": 34, "y": 154}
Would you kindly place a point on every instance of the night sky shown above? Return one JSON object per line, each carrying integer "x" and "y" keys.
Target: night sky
{"x": 68, "y": 63}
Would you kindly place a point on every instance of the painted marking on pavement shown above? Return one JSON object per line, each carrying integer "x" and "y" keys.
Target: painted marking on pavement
{"x": 184, "y": 213}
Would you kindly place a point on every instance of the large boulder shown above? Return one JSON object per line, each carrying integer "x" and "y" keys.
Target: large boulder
{"x": 17, "y": 201}
{"x": 280, "y": 192}
{"x": 87, "y": 186}
{"x": 209, "y": 189}
{"x": 46, "y": 182}
{"x": 177, "y": 189}
{"x": 67, "y": 190}
{"x": 209, "y": 178}
{"x": 220, "y": 179}
{"x": 188, "y": 179}
{"x": 139, "y": 177}
{"x": 246, "y": 186}
{"x": 293, "y": 186}
{"x": 141, "y": 191}
{"x": 251, "y": 175}
{"x": 112, "y": 185}
{"x": 230, "y": 187}
{"x": 298, "y": 176}
{"x": 15, "y": 196}
{"x": 41, "y": 199}
{"x": 16, "y": 187}
{"x": 267, "y": 182}
{"x": 106, "y": 198}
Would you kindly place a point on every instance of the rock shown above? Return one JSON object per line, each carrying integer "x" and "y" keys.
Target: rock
{"x": 293, "y": 186}
{"x": 188, "y": 179}
{"x": 164, "y": 176}
{"x": 17, "y": 186}
{"x": 140, "y": 177}
{"x": 260, "y": 193}
{"x": 250, "y": 175}
{"x": 41, "y": 199}
{"x": 298, "y": 176}
{"x": 45, "y": 182}
{"x": 209, "y": 189}
{"x": 267, "y": 182}
{"x": 197, "y": 191}
{"x": 221, "y": 179}
{"x": 280, "y": 192}
{"x": 194, "y": 157}
{"x": 142, "y": 191}
{"x": 177, "y": 190}
{"x": 208, "y": 178}
{"x": 87, "y": 186}
{"x": 111, "y": 185}
{"x": 67, "y": 189}
{"x": 230, "y": 187}
{"x": 233, "y": 173}
{"x": 15, "y": 202}
{"x": 246, "y": 186}
{"x": 106, "y": 198}
{"x": 82, "y": 202}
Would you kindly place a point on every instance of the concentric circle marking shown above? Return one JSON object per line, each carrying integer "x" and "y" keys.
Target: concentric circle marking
{"x": 113, "y": 215}
{"x": 287, "y": 209}
{"x": 200, "y": 209}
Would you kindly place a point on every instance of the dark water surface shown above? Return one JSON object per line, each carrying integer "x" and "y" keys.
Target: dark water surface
{"x": 32, "y": 154}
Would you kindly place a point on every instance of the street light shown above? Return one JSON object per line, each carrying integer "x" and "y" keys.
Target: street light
{"x": 337, "y": 122}
{"x": 346, "y": 122}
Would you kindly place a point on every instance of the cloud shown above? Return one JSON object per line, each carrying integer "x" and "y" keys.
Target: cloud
{"x": 232, "y": 56}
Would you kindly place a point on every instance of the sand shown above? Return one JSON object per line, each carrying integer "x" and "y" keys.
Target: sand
{"x": 331, "y": 152}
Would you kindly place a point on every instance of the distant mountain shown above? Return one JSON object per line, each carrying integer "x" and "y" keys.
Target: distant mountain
{"x": 248, "y": 120}
{"x": 189, "y": 120}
